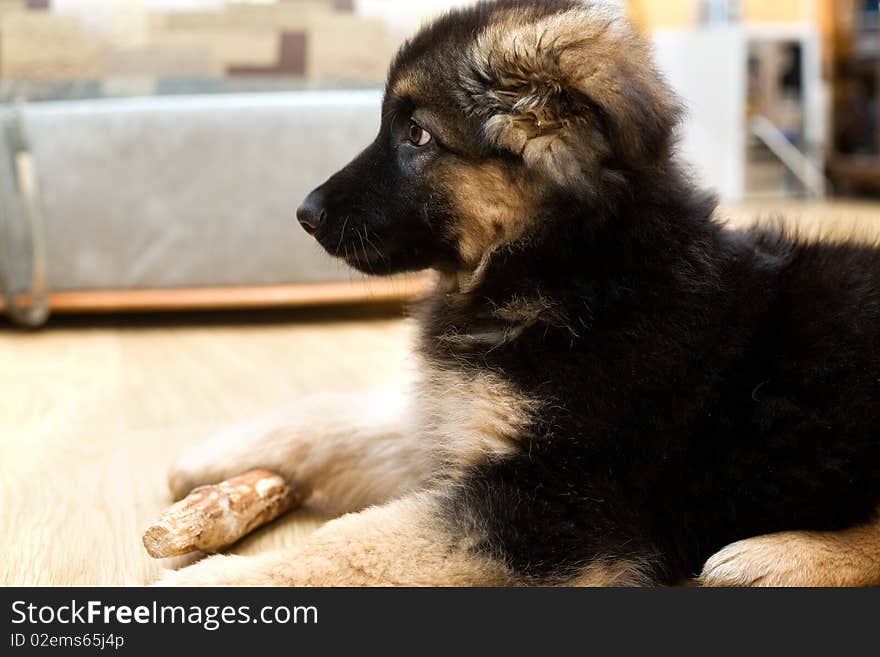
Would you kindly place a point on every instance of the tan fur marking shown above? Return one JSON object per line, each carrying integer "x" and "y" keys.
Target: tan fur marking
{"x": 471, "y": 417}
{"x": 399, "y": 544}
{"x": 407, "y": 85}
{"x": 846, "y": 558}
{"x": 529, "y": 310}
{"x": 537, "y": 80}
{"x": 620, "y": 572}
{"x": 493, "y": 206}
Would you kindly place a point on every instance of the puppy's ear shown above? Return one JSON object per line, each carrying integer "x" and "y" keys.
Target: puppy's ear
{"x": 575, "y": 94}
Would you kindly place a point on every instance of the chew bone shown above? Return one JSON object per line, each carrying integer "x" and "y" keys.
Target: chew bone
{"x": 213, "y": 517}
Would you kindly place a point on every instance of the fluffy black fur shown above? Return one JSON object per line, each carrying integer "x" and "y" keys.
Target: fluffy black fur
{"x": 699, "y": 385}
{"x": 707, "y": 386}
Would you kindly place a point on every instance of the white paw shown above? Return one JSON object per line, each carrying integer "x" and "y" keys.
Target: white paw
{"x": 179, "y": 482}
{"x": 772, "y": 560}
{"x": 229, "y": 453}
{"x": 223, "y": 570}
{"x": 182, "y": 479}
{"x": 194, "y": 468}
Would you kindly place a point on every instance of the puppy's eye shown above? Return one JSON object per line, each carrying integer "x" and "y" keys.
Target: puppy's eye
{"x": 417, "y": 135}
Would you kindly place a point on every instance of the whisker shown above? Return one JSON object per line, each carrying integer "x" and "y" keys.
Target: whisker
{"x": 364, "y": 248}
{"x": 347, "y": 266}
{"x": 375, "y": 248}
{"x": 342, "y": 234}
{"x": 354, "y": 250}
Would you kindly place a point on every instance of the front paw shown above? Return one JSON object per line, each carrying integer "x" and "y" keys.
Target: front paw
{"x": 223, "y": 570}
{"x": 191, "y": 470}
{"x": 772, "y": 560}
{"x": 180, "y": 481}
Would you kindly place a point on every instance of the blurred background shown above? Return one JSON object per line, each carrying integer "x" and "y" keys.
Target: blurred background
{"x": 153, "y": 151}
{"x": 152, "y": 156}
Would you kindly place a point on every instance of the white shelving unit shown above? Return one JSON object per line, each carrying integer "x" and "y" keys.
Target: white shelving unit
{"x": 708, "y": 66}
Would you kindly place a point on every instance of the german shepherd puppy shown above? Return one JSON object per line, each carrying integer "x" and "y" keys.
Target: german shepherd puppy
{"x": 614, "y": 386}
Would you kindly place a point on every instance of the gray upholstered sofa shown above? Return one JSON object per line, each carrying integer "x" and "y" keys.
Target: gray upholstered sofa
{"x": 175, "y": 192}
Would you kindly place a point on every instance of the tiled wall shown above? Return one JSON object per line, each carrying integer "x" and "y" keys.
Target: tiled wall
{"x": 128, "y": 47}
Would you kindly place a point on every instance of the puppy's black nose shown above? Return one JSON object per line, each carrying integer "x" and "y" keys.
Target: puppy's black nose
{"x": 311, "y": 213}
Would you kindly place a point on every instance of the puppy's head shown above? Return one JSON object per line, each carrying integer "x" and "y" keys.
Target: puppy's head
{"x": 494, "y": 119}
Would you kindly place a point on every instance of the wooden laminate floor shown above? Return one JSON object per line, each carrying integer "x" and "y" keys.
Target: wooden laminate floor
{"x": 92, "y": 415}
